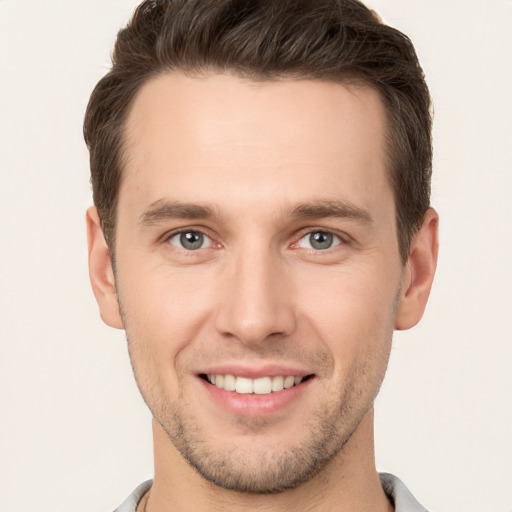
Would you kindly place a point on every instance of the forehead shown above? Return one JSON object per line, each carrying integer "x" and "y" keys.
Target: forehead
{"x": 220, "y": 134}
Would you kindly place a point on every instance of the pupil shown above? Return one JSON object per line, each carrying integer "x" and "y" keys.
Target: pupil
{"x": 191, "y": 240}
{"x": 320, "y": 240}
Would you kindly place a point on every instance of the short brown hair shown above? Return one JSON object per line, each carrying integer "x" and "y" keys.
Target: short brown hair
{"x": 333, "y": 40}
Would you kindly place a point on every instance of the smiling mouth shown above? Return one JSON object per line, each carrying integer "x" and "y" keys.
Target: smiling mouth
{"x": 259, "y": 386}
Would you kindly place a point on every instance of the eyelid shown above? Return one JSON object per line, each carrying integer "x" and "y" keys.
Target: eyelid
{"x": 189, "y": 229}
{"x": 336, "y": 240}
{"x": 342, "y": 236}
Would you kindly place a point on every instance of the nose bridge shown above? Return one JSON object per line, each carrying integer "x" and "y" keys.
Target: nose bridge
{"x": 255, "y": 303}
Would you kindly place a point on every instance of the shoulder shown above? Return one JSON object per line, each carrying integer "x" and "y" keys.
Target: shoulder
{"x": 398, "y": 493}
{"x": 394, "y": 488}
{"x": 130, "y": 503}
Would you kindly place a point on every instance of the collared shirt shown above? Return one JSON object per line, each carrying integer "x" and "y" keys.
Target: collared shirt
{"x": 394, "y": 488}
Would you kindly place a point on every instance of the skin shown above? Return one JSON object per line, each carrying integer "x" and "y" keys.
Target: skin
{"x": 304, "y": 157}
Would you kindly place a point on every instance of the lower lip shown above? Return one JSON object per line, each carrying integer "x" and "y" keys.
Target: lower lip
{"x": 253, "y": 405}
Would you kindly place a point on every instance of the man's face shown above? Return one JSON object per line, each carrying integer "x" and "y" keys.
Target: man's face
{"x": 256, "y": 246}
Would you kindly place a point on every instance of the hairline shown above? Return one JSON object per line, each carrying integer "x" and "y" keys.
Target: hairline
{"x": 346, "y": 78}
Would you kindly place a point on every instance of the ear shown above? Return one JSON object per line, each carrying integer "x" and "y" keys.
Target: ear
{"x": 418, "y": 273}
{"x": 101, "y": 273}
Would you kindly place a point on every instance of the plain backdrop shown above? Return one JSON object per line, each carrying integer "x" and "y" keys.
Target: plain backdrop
{"x": 75, "y": 435}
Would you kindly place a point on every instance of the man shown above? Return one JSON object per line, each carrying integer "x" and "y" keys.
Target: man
{"x": 261, "y": 179}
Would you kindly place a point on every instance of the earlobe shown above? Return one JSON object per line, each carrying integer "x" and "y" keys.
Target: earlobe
{"x": 101, "y": 273}
{"x": 418, "y": 273}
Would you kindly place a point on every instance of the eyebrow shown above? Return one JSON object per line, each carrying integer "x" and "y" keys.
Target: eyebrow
{"x": 331, "y": 209}
{"x": 162, "y": 210}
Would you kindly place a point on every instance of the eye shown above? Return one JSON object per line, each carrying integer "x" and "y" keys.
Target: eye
{"x": 319, "y": 241}
{"x": 190, "y": 240}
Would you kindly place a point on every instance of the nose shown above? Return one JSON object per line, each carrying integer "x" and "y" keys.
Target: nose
{"x": 256, "y": 301}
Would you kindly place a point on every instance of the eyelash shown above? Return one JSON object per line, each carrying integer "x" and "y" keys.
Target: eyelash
{"x": 336, "y": 237}
{"x": 175, "y": 234}
{"x": 336, "y": 240}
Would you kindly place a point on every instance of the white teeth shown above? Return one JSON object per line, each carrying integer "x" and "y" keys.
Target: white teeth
{"x": 260, "y": 386}
{"x": 229, "y": 383}
{"x": 278, "y": 384}
{"x": 289, "y": 382}
{"x": 244, "y": 385}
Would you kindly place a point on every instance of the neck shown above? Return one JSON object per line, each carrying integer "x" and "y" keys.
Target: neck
{"x": 350, "y": 482}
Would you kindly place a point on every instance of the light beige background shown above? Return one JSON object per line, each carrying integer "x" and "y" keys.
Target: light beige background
{"x": 74, "y": 434}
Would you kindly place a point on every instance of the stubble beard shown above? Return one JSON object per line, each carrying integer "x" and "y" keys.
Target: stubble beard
{"x": 267, "y": 471}
{"x": 248, "y": 471}
{"x": 329, "y": 428}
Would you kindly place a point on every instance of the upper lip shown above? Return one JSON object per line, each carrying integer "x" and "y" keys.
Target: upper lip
{"x": 255, "y": 371}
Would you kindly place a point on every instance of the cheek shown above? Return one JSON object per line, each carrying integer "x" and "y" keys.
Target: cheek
{"x": 352, "y": 312}
{"x": 162, "y": 315}
{"x": 163, "y": 310}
